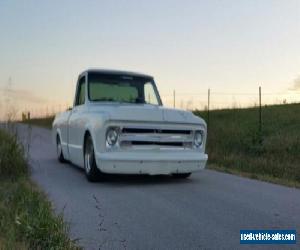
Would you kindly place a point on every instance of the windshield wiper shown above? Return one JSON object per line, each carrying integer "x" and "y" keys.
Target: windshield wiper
{"x": 104, "y": 100}
{"x": 136, "y": 101}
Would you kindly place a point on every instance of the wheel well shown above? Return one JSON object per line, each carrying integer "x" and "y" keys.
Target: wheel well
{"x": 57, "y": 137}
{"x": 86, "y": 135}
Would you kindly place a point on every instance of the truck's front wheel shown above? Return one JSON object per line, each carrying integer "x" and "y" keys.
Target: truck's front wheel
{"x": 91, "y": 171}
{"x": 60, "y": 154}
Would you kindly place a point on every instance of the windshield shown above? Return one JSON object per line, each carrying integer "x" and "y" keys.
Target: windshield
{"x": 122, "y": 88}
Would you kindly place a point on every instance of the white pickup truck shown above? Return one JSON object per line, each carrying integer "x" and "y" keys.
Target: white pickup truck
{"x": 118, "y": 125}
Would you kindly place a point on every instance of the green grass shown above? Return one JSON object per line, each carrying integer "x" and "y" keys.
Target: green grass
{"x": 26, "y": 217}
{"x": 12, "y": 161}
{"x": 235, "y": 144}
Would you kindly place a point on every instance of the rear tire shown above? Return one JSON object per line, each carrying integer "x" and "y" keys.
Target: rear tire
{"x": 182, "y": 176}
{"x": 92, "y": 172}
{"x": 59, "y": 151}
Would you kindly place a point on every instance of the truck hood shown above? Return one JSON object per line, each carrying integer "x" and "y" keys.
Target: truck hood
{"x": 145, "y": 112}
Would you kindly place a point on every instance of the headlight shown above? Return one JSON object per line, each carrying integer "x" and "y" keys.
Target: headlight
{"x": 112, "y": 136}
{"x": 198, "y": 138}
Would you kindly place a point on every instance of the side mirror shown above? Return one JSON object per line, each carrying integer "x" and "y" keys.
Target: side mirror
{"x": 69, "y": 108}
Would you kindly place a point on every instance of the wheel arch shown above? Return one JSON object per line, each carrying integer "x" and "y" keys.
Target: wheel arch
{"x": 88, "y": 131}
{"x": 56, "y": 134}
{"x": 86, "y": 134}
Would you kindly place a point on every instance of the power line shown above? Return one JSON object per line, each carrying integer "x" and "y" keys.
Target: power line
{"x": 230, "y": 94}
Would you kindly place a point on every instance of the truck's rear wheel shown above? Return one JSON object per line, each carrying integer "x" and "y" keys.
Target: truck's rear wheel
{"x": 91, "y": 171}
{"x": 59, "y": 151}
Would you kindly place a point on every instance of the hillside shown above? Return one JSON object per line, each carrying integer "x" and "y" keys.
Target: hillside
{"x": 235, "y": 144}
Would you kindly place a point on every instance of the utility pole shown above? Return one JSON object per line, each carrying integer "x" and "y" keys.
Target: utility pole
{"x": 260, "y": 113}
{"x": 174, "y": 98}
{"x": 208, "y": 103}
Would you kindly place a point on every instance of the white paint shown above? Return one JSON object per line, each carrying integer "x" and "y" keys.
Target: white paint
{"x": 96, "y": 117}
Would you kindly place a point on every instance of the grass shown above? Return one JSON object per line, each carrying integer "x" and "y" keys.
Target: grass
{"x": 236, "y": 146}
{"x": 12, "y": 161}
{"x": 26, "y": 217}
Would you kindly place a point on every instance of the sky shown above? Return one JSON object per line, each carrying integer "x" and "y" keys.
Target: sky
{"x": 231, "y": 47}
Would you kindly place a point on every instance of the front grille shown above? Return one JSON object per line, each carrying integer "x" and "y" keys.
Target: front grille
{"x": 173, "y": 144}
{"x": 148, "y": 138}
{"x": 154, "y": 131}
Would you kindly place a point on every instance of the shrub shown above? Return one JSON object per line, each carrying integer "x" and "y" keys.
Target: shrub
{"x": 12, "y": 161}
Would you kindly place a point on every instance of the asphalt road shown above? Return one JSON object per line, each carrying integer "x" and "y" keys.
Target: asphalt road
{"x": 206, "y": 211}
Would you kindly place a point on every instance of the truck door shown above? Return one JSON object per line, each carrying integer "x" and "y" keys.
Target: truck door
{"x": 77, "y": 123}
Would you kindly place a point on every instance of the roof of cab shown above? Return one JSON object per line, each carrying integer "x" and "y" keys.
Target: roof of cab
{"x": 116, "y": 72}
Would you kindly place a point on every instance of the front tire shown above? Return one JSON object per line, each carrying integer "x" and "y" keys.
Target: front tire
{"x": 182, "y": 176}
{"x": 59, "y": 151}
{"x": 92, "y": 173}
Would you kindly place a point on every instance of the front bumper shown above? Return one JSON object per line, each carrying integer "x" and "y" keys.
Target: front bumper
{"x": 154, "y": 163}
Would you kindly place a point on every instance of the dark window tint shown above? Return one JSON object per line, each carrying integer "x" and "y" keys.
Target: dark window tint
{"x": 120, "y": 88}
{"x": 81, "y": 92}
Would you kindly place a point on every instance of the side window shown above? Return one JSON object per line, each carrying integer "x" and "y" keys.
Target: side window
{"x": 150, "y": 95}
{"x": 80, "y": 99}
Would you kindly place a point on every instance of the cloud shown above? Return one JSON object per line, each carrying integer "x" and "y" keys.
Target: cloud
{"x": 21, "y": 95}
{"x": 296, "y": 84}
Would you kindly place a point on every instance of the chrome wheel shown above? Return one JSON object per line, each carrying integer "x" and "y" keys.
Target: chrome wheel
{"x": 88, "y": 156}
{"x": 59, "y": 148}
{"x": 59, "y": 151}
{"x": 91, "y": 170}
